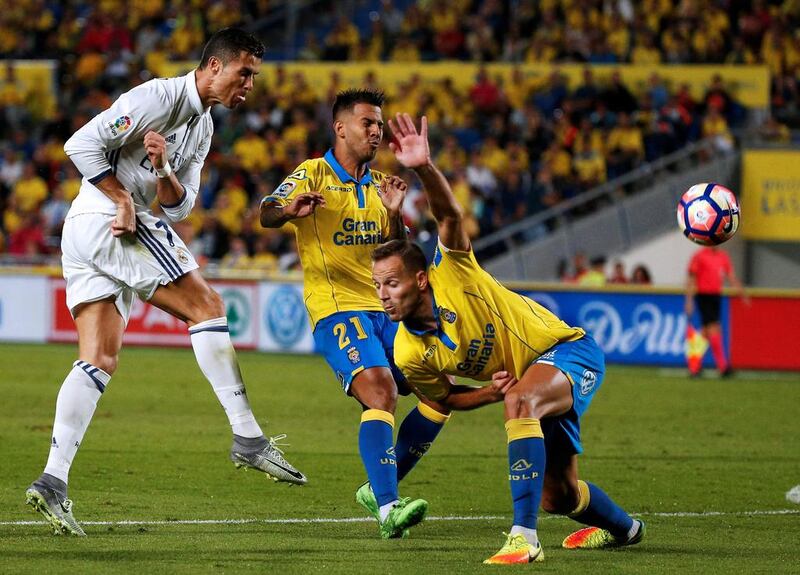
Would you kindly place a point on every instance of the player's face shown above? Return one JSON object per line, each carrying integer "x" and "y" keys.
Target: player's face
{"x": 235, "y": 79}
{"x": 363, "y": 131}
{"x": 399, "y": 290}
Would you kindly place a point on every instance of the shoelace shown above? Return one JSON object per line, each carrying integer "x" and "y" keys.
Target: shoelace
{"x": 274, "y": 445}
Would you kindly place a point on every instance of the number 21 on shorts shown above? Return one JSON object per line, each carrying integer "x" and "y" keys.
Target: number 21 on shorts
{"x": 340, "y": 331}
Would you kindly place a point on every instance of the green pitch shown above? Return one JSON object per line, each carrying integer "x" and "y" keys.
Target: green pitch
{"x": 705, "y": 463}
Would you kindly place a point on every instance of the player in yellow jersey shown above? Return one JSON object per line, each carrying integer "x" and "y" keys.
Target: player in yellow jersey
{"x": 341, "y": 210}
{"x": 458, "y": 320}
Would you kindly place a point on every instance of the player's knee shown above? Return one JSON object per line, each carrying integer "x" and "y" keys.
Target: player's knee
{"x": 210, "y": 304}
{"x": 560, "y": 502}
{"x": 106, "y": 362}
{"x": 523, "y": 402}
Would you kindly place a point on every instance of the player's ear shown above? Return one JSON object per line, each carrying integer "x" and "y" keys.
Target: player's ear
{"x": 422, "y": 280}
{"x": 338, "y": 128}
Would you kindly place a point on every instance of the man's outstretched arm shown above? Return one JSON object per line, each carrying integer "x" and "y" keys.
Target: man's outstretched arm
{"x": 413, "y": 151}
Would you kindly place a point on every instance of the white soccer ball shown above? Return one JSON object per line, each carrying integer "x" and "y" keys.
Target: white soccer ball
{"x": 708, "y": 214}
{"x": 793, "y": 495}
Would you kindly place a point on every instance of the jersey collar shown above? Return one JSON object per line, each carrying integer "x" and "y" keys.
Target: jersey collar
{"x": 437, "y": 331}
{"x": 194, "y": 95}
{"x": 342, "y": 174}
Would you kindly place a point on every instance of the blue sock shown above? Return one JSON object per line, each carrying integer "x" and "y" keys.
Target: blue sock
{"x": 415, "y": 436}
{"x": 377, "y": 452}
{"x": 600, "y": 511}
{"x": 526, "y": 461}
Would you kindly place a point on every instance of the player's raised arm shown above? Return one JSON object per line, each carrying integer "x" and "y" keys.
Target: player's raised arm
{"x": 412, "y": 150}
{"x": 393, "y": 193}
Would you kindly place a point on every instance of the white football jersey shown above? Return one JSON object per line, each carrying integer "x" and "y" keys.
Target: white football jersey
{"x": 113, "y": 143}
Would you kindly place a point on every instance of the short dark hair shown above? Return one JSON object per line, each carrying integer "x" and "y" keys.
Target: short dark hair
{"x": 411, "y": 254}
{"x": 347, "y": 99}
{"x": 228, "y": 43}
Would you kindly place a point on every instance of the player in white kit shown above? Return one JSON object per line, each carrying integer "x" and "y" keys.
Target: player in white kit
{"x": 149, "y": 145}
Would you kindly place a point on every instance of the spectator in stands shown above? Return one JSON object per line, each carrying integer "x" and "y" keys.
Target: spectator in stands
{"x": 641, "y": 275}
{"x": 595, "y": 276}
{"x": 618, "y": 274}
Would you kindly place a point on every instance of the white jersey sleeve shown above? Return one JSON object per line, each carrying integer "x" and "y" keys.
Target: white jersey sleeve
{"x": 134, "y": 113}
{"x": 190, "y": 177}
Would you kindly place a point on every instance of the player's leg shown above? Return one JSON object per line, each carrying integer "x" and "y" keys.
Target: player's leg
{"x": 100, "y": 305}
{"x": 100, "y": 327}
{"x": 422, "y": 424}
{"x": 542, "y": 391}
{"x": 192, "y": 300}
{"x": 713, "y": 332}
{"x": 352, "y": 347}
{"x": 565, "y": 494}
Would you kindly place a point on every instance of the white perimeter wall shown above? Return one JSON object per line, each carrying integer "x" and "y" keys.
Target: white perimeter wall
{"x": 667, "y": 258}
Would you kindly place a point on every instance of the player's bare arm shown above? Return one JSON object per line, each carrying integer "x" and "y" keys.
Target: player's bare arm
{"x": 124, "y": 223}
{"x": 412, "y": 150}
{"x": 467, "y": 397}
{"x": 393, "y": 193}
{"x": 169, "y": 190}
{"x": 301, "y": 206}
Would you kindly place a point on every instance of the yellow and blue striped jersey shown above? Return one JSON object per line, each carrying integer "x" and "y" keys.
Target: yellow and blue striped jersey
{"x": 482, "y": 328}
{"x": 336, "y": 242}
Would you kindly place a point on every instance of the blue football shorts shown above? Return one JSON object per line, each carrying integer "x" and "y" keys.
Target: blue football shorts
{"x": 352, "y": 341}
{"x": 583, "y": 362}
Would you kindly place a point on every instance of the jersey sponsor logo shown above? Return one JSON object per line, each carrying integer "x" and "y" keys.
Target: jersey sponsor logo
{"x": 354, "y": 355}
{"x": 285, "y": 316}
{"x": 428, "y": 353}
{"x": 176, "y": 161}
{"x": 120, "y": 125}
{"x": 478, "y": 353}
{"x": 447, "y": 315}
{"x": 358, "y": 233}
{"x": 338, "y": 189}
{"x": 284, "y": 190}
{"x": 298, "y": 175}
{"x": 171, "y": 139}
{"x": 588, "y": 381}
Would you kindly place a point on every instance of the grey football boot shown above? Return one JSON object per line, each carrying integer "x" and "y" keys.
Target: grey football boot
{"x": 265, "y": 455}
{"x": 54, "y": 507}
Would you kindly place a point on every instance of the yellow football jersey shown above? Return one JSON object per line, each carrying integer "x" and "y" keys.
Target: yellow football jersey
{"x": 336, "y": 242}
{"x": 482, "y": 328}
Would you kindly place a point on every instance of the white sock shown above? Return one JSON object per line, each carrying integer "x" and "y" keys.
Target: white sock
{"x": 217, "y": 360}
{"x": 634, "y": 529}
{"x": 75, "y": 406}
{"x": 385, "y": 509}
{"x": 529, "y": 534}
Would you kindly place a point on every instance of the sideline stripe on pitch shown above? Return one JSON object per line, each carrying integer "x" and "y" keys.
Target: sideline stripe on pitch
{"x": 370, "y": 520}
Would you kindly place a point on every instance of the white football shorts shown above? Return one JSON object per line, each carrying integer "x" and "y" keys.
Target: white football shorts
{"x": 97, "y": 265}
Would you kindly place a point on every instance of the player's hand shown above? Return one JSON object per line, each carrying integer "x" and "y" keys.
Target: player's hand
{"x": 410, "y": 148}
{"x": 124, "y": 224}
{"x": 156, "y": 147}
{"x": 303, "y": 205}
{"x": 502, "y": 381}
{"x": 393, "y": 192}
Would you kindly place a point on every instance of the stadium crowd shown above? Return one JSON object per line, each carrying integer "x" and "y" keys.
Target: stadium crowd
{"x": 510, "y": 148}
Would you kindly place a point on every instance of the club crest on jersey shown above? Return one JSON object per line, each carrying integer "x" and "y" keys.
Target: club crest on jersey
{"x": 447, "y": 315}
{"x": 120, "y": 125}
{"x": 284, "y": 189}
{"x": 183, "y": 256}
{"x": 353, "y": 355}
{"x": 588, "y": 381}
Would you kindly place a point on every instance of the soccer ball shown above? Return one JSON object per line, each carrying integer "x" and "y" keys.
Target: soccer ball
{"x": 708, "y": 214}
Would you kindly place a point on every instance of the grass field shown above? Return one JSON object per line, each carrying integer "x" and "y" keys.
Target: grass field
{"x": 705, "y": 463}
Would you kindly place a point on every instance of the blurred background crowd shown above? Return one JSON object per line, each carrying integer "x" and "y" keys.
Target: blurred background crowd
{"x": 511, "y": 148}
